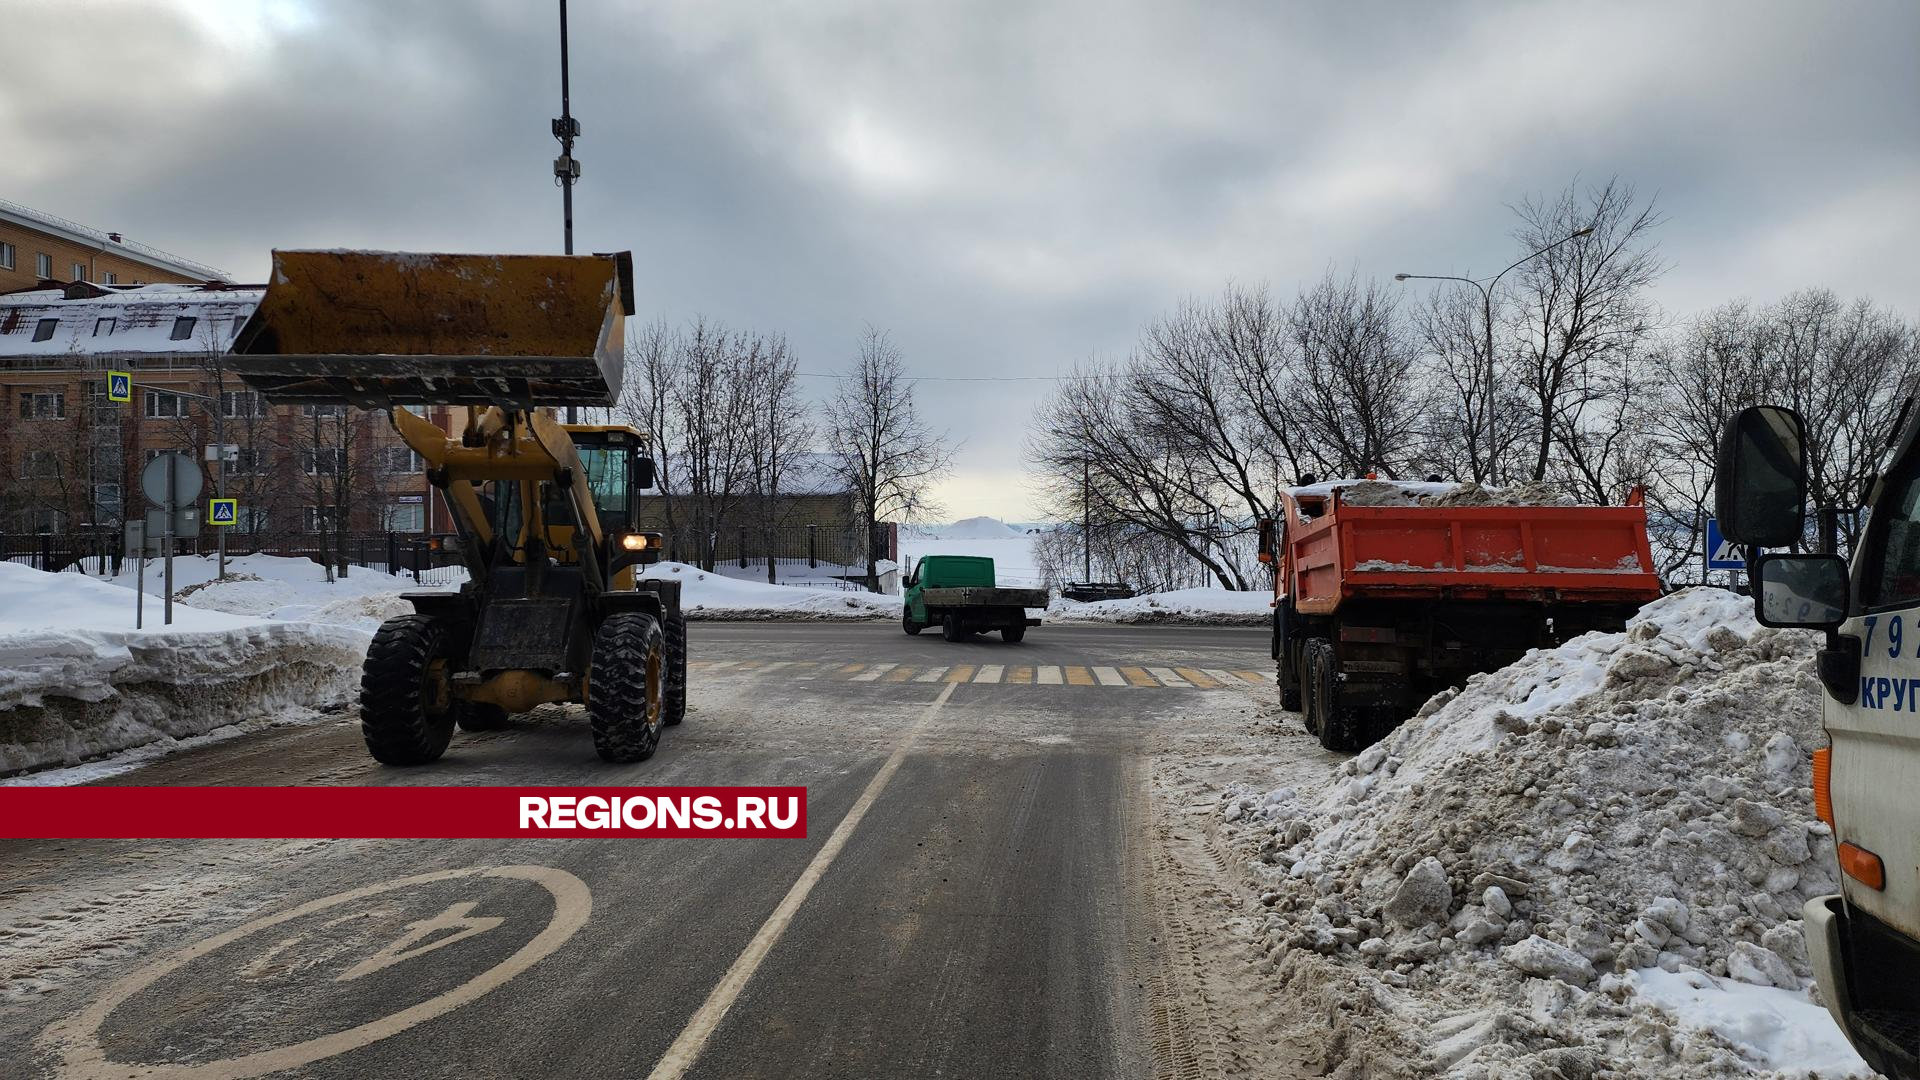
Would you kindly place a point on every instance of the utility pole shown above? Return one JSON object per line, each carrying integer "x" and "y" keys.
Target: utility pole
{"x": 565, "y": 168}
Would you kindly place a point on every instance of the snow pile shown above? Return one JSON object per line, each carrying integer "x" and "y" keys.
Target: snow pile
{"x": 1430, "y": 493}
{"x": 276, "y": 587}
{"x": 974, "y": 528}
{"x": 1497, "y": 876}
{"x": 715, "y": 596}
{"x": 1225, "y": 607}
{"x": 77, "y": 680}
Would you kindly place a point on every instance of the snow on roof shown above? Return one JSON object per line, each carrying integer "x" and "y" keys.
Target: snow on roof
{"x": 107, "y": 241}
{"x": 138, "y": 319}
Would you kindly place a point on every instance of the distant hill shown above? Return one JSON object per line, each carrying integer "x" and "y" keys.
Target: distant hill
{"x": 976, "y": 528}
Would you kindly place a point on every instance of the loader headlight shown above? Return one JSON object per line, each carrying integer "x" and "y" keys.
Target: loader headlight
{"x": 637, "y": 541}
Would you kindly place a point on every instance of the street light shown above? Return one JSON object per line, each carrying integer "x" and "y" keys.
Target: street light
{"x": 1486, "y": 299}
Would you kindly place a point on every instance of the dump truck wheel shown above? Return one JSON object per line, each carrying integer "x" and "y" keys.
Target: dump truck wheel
{"x": 950, "y": 628}
{"x": 479, "y": 716}
{"x": 907, "y": 623}
{"x": 1339, "y": 728}
{"x": 626, "y": 703}
{"x": 1309, "y": 696}
{"x": 1012, "y": 634}
{"x": 405, "y": 714}
{"x": 1290, "y": 697}
{"x": 675, "y": 630}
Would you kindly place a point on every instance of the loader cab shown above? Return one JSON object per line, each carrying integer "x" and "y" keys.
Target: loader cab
{"x": 618, "y": 469}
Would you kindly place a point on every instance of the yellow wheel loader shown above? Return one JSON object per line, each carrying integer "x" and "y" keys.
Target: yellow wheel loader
{"x": 551, "y": 610}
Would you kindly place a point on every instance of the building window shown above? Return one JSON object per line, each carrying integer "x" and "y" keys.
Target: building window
{"x": 406, "y": 517}
{"x": 6, "y": 256}
{"x": 423, "y": 411}
{"x": 182, "y": 328}
{"x": 239, "y": 404}
{"x": 248, "y": 461}
{"x": 404, "y": 459}
{"x": 43, "y": 330}
{"x": 102, "y": 327}
{"x": 325, "y": 462}
{"x": 322, "y": 410}
{"x": 319, "y": 518}
{"x": 43, "y": 405}
{"x": 39, "y": 465}
{"x": 42, "y": 521}
{"x": 109, "y": 278}
{"x": 43, "y": 266}
{"x": 79, "y": 271}
{"x": 162, "y": 405}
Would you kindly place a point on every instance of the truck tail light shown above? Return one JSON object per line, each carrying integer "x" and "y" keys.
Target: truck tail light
{"x": 1863, "y": 866}
{"x": 1823, "y": 785}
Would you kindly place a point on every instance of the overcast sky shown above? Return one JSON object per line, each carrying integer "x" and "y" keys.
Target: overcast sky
{"x": 1007, "y": 187}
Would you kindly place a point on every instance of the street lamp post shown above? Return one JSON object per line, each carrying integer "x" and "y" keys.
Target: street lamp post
{"x": 1486, "y": 300}
{"x": 565, "y": 168}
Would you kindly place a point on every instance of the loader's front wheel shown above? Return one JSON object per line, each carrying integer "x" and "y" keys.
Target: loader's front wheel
{"x": 406, "y": 715}
{"x": 675, "y": 629}
{"x": 626, "y": 703}
{"x": 1339, "y": 728}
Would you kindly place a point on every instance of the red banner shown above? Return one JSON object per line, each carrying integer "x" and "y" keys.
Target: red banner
{"x": 434, "y": 813}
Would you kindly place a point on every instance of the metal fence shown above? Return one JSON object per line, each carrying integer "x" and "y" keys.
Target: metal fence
{"x": 821, "y": 554}
{"x": 101, "y": 552}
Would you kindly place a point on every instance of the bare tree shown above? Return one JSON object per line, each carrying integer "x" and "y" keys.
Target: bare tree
{"x": 777, "y": 439}
{"x": 1355, "y": 366}
{"x": 653, "y": 355}
{"x": 887, "y": 456}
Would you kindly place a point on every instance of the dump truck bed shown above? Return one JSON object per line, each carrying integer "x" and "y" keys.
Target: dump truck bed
{"x": 1535, "y": 553}
{"x": 984, "y": 597}
{"x": 380, "y": 328}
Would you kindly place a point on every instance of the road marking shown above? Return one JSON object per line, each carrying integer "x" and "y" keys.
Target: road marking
{"x": 775, "y": 666}
{"x": 1258, "y": 676}
{"x": 1049, "y": 676}
{"x": 990, "y": 673}
{"x": 747, "y": 665}
{"x": 458, "y": 918}
{"x": 900, "y": 674}
{"x": 806, "y": 669}
{"x": 693, "y": 1038}
{"x": 960, "y": 673}
{"x": 848, "y": 669}
{"x": 931, "y": 675}
{"x": 1022, "y": 675}
{"x": 873, "y": 673}
{"x": 1109, "y": 676}
{"x": 1138, "y": 676}
{"x": 77, "y": 1038}
{"x": 1079, "y": 676}
{"x": 1168, "y": 678}
{"x": 1223, "y": 677}
{"x": 1194, "y": 676}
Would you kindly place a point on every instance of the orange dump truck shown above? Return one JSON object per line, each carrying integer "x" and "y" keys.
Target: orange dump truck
{"x": 1386, "y": 593}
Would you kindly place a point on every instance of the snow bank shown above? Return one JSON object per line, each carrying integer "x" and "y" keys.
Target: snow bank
{"x": 275, "y": 587}
{"x": 1601, "y": 849}
{"x": 705, "y": 595}
{"x": 1224, "y": 607}
{"x": 77, "y": 680}
{"x": 1431, "y": 493}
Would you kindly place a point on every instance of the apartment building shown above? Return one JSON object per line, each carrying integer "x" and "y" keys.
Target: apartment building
{"x": 38, "y": 248}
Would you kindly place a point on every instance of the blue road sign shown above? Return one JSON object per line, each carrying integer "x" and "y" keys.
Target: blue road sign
{"x": 1722, "y": 554}
{"x": 223, "y": 511}
{"x": 119, "y": 386}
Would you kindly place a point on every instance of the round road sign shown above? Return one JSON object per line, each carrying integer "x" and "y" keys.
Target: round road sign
{"x": 186, "y": 479}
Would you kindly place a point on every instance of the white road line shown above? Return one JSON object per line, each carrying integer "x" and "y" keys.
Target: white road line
{"x": 1223, "y": 677}
{"x": 1109, "y": 676}
{"x": 990, "y": 673}
{"x": 873, "y": 673}
{"x": 776, "y": 666}
{"x": 931, "y": 675}
{"x": 1048, "y": 676}
{"x": 1167, "y": 677}
{"x": 693, "y": 1038}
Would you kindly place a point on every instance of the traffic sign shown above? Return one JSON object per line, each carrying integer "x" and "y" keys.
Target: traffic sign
{"x": 186, "y": 524}
{"x": 187, "y": 479}
{"x": 223, "y": 511}
{"x": 119, "y": 386}
{"x": 1722, "y": 554}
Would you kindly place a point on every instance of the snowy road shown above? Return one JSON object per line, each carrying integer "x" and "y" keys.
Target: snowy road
{"x": 1003, "y": 888}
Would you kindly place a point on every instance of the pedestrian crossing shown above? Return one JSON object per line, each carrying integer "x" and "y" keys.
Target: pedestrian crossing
{"x": 1095, "y": 675}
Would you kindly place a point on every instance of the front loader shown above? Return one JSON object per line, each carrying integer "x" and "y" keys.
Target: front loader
{"x": 543, "y": 511}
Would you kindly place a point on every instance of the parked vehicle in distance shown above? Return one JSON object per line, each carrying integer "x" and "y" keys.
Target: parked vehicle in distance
{"x": 1090, "y": 591}
{"x": 957, "y": 593}
{"x": 1381, "y": 601}
{"x": 1864, "y": 943}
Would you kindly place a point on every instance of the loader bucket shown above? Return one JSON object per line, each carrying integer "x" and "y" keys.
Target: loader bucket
{"x": 380, "y": 328}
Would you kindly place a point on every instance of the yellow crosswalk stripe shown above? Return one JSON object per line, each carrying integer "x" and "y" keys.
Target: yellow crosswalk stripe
{"x": 873, "y": 673}
{"x": 848, "y": 669}
{"x": 1255, "y": 677}
{"x": 1079, "y": 676}
{"x": 1109, "y": 676}
{"x": 1021, "y": 676}
{"x": 990, "y": 673}
{"x": 900, "y": 674}
{"x": 931, "y": 675}
{"x": 1138, "y": 676}
{"x": 1222, "y": 676}
{"x": 1194, "y": 676}
{"x": 805, "y": 669}
{"x": 960, "y": 673}
{"x": 1049, "y": 676}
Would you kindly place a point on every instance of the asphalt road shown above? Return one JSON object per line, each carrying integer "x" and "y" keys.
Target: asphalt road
{"x": 992, "y": 913}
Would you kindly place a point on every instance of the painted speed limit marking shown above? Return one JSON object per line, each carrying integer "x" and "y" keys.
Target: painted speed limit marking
{"x": 77, "y": 1040}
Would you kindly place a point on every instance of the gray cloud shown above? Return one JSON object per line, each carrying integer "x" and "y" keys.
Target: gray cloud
{"x": 1009, "y": 187}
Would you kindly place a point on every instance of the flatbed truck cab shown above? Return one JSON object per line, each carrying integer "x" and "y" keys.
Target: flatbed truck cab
{"x": 1864, "y": 942}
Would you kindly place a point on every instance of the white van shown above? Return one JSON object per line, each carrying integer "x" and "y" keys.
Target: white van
{"x": 1864, "y": 942}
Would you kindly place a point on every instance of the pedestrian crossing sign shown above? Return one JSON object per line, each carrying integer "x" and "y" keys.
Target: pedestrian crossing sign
{"x": 223, "y": 511}
{"x": 119, "y": 386}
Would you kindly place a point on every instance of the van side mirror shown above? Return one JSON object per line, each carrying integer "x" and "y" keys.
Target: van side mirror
{"x": 1760, "y": 477}
{"x": 1266, "y": 540}
{"x": 1808, "y": 592}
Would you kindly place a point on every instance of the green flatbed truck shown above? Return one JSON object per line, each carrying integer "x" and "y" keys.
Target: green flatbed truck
{"x": 957, "y": 593}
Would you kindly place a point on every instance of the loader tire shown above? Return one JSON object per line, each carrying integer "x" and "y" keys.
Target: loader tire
{"x": 479, "y": 716}
{"x": 1013, "y": 634}
{"x": 1338, "y": 727}
{"x": 907, "y": 623}
{"x": 626, "y": 699}
{"x": 675, "y": 629}
{"x": 950, "y": 628}
{"x": 405, "y": 715}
